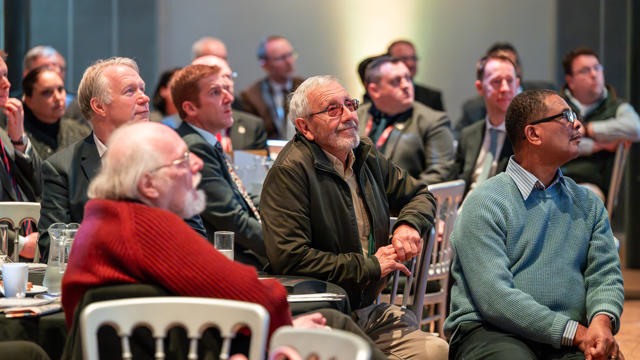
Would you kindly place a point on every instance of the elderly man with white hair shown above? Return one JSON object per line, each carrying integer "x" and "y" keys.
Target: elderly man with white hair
{"x": 325, "y": 207}
{"x": 111, "y": 93}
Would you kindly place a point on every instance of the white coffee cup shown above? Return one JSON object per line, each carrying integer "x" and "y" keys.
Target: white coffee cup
{"x": 14, "y": 278}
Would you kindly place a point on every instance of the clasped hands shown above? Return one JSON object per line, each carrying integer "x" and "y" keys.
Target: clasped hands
{"x": 597, "y": 340}
{"x": 405, "y": 245}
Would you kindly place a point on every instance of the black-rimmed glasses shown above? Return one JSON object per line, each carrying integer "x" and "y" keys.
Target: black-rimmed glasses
{"x": 335, "y": 110}
{"x": 568, "y": 115}
{"x": 184, "y": 159}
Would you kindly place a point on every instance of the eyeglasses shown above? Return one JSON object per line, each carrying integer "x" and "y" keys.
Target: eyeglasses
{"x": 335, "y": 110}
{"x": 568, "y": 115}
{"x": 587, "y": 69}
{"x": 284, "y": 57}
{"x": 178, "y": 162}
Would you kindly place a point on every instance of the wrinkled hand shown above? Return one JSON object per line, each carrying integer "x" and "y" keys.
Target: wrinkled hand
{"x": 597, "y": 341}
{"x": 407, "y": 242}
{"x": 314, "y": 320}
{"x": 15, "y": 120}
{"x": 387, "y": 258}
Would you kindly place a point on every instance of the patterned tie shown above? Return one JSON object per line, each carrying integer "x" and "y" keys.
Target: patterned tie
{"x": 14, "y": 185}
{"x": 491, "y": 155}
{"x": 238, "y": 182}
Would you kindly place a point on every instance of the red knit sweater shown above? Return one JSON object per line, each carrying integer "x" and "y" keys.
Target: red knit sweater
{"x": 127, "y": 242}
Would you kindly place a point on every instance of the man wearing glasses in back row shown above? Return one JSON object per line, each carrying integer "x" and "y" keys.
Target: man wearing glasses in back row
{"x": 607, "y": 119}
{"x": 536, "y": 271}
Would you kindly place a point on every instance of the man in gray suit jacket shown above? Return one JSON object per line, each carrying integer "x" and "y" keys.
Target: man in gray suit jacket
{"x": 110, "y": 94}
{"x": 203, "y": 98}
{"x": 480, "y": 143}
{"x": 414, "y": 136}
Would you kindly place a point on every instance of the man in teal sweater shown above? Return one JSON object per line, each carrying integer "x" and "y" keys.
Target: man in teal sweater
{"x": 536, "y": 272}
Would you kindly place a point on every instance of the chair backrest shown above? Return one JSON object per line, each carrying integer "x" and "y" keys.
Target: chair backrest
{"x": 16, "y": 213}
{"x": 616, "y": 175}
{"x": 326, "y": 344}
{"x": 160, "y": 314}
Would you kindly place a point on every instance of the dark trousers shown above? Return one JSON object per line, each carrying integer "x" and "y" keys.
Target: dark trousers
{"x": 476, "y": 340}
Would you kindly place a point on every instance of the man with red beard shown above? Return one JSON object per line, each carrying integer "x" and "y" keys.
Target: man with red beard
{"x": 414, "y": 136}
{"x": 484, "y": 149}
{"x": 203, "y": 98}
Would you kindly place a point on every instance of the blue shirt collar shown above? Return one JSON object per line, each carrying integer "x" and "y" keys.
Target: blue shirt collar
{"x": 526, "y": 181}
{"x": 208, "y": 137}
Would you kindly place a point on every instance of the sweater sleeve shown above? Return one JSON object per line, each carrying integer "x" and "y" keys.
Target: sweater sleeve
{"x": 478, "y": 241}
{"x": 170, "y": 253}
{"x": 602, "y": 276}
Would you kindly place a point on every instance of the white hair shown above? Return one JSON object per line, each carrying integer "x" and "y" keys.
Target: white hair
{"x": 299, "y": 106}
{"x": 36, "y": 52}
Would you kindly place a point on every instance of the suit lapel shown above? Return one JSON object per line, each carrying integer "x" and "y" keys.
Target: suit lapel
{"x": 89, "y": 158}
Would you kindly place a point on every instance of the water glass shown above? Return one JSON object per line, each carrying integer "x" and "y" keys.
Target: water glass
{"x": 223, "y": 242}
{"x": 4, "y": 243}
{"x": 14, "y": 278}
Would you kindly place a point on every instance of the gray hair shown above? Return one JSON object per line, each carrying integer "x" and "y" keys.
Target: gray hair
{"x": 95, "y": 85}
{"x": 121, "y": 170}
{"x": 36, "y": 52}
{"x": 299, "y": 106}
{"x": 197, "y": 47}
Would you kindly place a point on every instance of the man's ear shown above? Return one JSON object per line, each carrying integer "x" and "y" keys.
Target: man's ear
{"x": 146, "y": 187}
{"x": 479, "y": 88}
{"x": 569, "y": 80}
{"x": 97, "y": 106}
{"x": 373, "y": 90}
{"x": 304, "y": 129}
{"x": 532, "y": 135}
{"x": 189, "y": 108}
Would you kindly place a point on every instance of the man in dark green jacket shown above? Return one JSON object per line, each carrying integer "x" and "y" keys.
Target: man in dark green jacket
{"x": 325, "y": 208}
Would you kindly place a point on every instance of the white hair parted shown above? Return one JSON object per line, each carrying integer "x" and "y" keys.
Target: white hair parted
{"x": 130, "y": 154}
{"x": 299, "y": 106}
{"x": 95, "y": 85}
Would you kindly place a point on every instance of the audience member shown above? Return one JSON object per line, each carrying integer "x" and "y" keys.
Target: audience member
{"x": 47, "y": 56}
{"x": 203, "y": 99}
{"x": 209, "y": 46}
{"x": 247, "y": 131}
{"x": 325, "y": 208}
{"x": 484, "y": 149}
{"x": 607, "y": 119}
{"x": 163, "y": 108}
{"x": 474, "y": 109}
{"x": 111, "y": 93}
{"x": 406, "y": 52}
{"x": 147, "y": 183}
{"x": 267, "y": 98}
{"x": 362, "y": 67}
{"x": 44, "y": 108}
{"x": 20, "y": 164}
{"x": 412, "y": 135}
{"x": 536, "y": 272}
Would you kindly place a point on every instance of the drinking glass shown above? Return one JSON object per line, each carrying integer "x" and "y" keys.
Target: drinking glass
{"x": 223, "y": 241}
{"x": 4, "y": 243}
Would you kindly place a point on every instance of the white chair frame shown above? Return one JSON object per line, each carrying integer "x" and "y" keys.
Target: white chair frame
{"x": 325, "y": 343}
{"x": 16, "y": 213}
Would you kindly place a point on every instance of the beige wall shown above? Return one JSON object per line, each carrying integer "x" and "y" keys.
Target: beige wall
{"x": 332, "y": 36}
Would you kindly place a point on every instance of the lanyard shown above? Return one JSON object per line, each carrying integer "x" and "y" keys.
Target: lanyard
{"x": 383, "y": 137}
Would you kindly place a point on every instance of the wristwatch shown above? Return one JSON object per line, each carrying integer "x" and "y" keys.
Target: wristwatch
{"x": 22, "y": 141}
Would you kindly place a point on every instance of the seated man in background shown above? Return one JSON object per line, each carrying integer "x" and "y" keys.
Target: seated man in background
{"x": 133, "y": 232}
{"x": 536, "y": 271}
{"x": 607, "y": 119}
{"x": 20, "y": 174}
{"x": 484, "y": 149}
{"x": 44, "y": 121}
{"x": 111, "y": 93}
{"x": 414, "y": 136}
{"x": 326, "y": 204}
{"x": 203, "y": 99}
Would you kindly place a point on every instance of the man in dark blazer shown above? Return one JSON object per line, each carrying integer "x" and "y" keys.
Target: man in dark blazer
{"x": 406, "y": 52}
{"x": 267, "y": 98}
{"x": 484, "y": 149}
{"x": 68, "y": 172}
{"x": 203, "y": 98}
{"x": 474, "y": 109}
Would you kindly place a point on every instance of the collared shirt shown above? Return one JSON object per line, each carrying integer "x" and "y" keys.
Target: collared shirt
{"x": 208, "y": 137}
{"x": 102, "y": 148}
{"x": 484, "y": 150}
{"x": 349, "y": 177}
{"x": 526, "y": 183}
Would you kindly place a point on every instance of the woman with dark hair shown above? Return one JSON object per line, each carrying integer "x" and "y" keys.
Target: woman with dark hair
{"x": 44, "y": 105}
{"x": 163, "y": 108}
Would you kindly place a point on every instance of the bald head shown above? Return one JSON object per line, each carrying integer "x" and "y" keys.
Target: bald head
{"x": 225, "y": 70}
{"x": 209, "y": 46}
